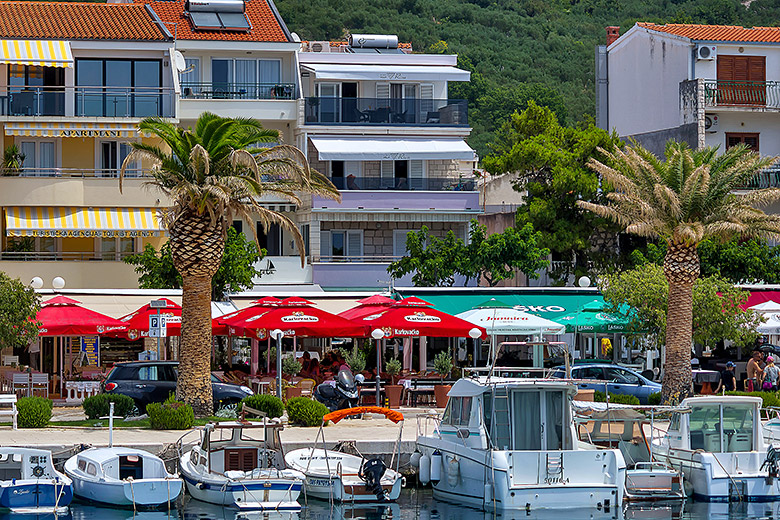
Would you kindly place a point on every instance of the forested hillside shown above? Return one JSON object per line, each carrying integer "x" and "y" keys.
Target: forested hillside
{"x": 540, "y": 49}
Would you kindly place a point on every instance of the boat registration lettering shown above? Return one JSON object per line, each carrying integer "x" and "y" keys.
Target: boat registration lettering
{"x": 556, "y": 480}
{"x": 320, "y": 482}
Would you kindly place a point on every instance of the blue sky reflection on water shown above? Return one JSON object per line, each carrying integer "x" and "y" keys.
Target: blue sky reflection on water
{"x": 420, "y": 505}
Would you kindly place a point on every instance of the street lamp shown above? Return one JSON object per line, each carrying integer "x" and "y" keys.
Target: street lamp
{"x": 378, "y": 334}
{"x": 58, "y": 282}
{"x": 277, "y": 334}
{"x": 36, "y": 282}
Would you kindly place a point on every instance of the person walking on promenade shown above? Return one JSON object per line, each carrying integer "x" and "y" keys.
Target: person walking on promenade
{"x": 728, "y": 381}
{"x": 771, "y": 374}
{"x": 754, "y": 372}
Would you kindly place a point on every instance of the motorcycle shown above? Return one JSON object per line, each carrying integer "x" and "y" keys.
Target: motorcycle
{"x": 345, "y": 394}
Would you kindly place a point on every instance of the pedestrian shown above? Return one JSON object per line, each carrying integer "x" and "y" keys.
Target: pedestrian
{"x": 771, "y": 374}
{"x": 728, "y": 382}
{"x": 754, "y": 372}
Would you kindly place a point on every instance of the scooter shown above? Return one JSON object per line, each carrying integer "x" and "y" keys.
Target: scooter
{"x": 345, "y": 394}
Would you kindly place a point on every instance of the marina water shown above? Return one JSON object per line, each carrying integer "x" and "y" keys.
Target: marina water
{"x": 418, "y": 504}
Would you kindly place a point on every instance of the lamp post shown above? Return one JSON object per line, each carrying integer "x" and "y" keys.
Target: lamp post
{"x": 277, "y": 334}
{"x": 36, "y": 282}
{"x": 378, "y": 334}
{"x": 58, "y": 283}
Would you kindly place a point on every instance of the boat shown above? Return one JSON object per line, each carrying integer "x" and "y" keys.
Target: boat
{"x": 122, "y": 477}
{"x": 343, "y": 477}
{"x": 511, "y": 444}
{"x": 231, "y": 468}
{"x": 623, "y": 427}
{"x": 718, "y": 444}
{"x": 29, "y": 483}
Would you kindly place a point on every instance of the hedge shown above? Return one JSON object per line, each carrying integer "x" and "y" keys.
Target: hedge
{"x": 769, "y": 398}
{"x": 170, "y": 415}
{"x": 601, "y": 397}
{"x": 306, "y": 412}
{"x": 97, "y": 406}
{"x": 33, "y": 412}
{"x": 270, "y": 404}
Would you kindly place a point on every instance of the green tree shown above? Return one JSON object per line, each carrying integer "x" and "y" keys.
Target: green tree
{"x": 19, "y": 305}
{"x": 550, "y": 165}
{"x": 684, "y": 200}
{"x": 213, "y": 174}
{"x": 235, "y": 273}
{"x": 433, "y": 260}
{"x": 717, "y": 314}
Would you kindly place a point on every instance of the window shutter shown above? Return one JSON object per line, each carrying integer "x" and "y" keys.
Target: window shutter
{"x": 726, "y": 68}
{"x": 352, "y": 168}
{"x": 399, "y": 242}
{"x": 416, "y": 175}
{"x": 248, "y": 460}
{"x": 326, "y": 249}
{"x": 355, "y": 243}
{"x": 426, "y": 101}
{"x": 387, "y": 174}
{"x": 232, "y": 460}
{"x": 383, "y": 90}
{"x": 756, "y": 68}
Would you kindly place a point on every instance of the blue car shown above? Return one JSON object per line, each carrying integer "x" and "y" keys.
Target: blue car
{"x": 618, "y": 380}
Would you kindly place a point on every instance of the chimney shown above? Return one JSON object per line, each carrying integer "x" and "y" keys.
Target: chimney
{"x": 613, "y": 33}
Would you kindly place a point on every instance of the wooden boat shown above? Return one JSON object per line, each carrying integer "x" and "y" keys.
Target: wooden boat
{"x": 342, "y": 477}
{"x": 30, "y": 484}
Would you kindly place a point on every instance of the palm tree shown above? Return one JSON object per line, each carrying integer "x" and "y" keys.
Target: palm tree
{"x": 214, "y": 174}
{"x": 684, "y": 200}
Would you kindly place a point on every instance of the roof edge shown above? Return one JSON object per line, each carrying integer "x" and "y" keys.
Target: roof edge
{"x": 279, "y": 19}
{"x": 158, "y": 22}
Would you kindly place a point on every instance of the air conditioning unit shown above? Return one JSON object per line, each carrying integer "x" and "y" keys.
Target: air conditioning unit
{"x": 706, "y": 52}
{"x": 319, "y": 46}
{"x": 711, "y": 123}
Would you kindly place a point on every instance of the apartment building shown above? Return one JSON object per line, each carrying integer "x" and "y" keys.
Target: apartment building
{"x": 378, "y": 121}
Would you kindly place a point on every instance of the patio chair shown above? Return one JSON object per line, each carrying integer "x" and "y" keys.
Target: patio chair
{"x": 307, "y": 387}
{"x": 39, "y": 382}
{"x": 10, "y": 360}
{"x": 21, "y": 384}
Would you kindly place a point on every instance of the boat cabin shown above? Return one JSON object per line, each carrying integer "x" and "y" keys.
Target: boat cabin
{"x": 510, "y": 414}
{"x": 236, "y": 446}
{"x": 616, "y": 428}
{"x": 717, "y": 424}
{"x": 25, "y": 463}
{"x": 116, "y": 464}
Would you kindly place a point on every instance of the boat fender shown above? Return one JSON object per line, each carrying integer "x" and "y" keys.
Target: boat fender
{"x": 688, "y": 487}
{"x": 436, "y": 466}
{"x": 403, "y": 482}
{"x": 488, "y": 493}
{"x": 414, "y": 460}
{"x": 425, "y": 469}
{"x": 453, "y": 472}
{"x": 199, "y": 485}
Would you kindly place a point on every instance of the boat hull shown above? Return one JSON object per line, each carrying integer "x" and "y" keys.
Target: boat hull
{"x": 35, "y": 494}
{"x": 345, "y": 490}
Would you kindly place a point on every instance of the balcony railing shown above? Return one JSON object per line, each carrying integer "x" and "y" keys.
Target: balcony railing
{"x": 386, "y": 111}
{"x": 352, "y": 182}
{"x": 355, "y": 258}
{"x": 52, "y": 256}
{"x": 768, "y": 178}
{"x": 192, "y": 90}
{"x": 742, "y": 93}
{"x": 87, "y": 101}
{"x": 83, "y": 173}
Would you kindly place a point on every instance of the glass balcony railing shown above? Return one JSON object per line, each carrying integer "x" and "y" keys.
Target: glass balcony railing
{"x": 80, "y": 173}
{"x": 386, "y": 111}
{"x": 87, "y": 101}
{"x": 191, "y": 90}
{"x": 352, "y": 182}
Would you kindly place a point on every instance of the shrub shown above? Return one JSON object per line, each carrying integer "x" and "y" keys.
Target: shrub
{"x": 305, "y": 411}
{"x": 393, "y": 367}
{"x": 290, "y": 366}
{"x": 442, "y": 363}
{"x": 601, "y": 397}
{"x": 654, "y": 399}
{"x": 170, "y": 415}
{"x": 269, "y": 404}
{"x": 34, "y": 412}
{"x": 769, "y": 398}
{"x": 97, "y": 406}
{"x": 355, "y": 359}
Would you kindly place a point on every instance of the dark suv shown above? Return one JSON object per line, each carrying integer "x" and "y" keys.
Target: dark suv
{"x": 153, "y": 381}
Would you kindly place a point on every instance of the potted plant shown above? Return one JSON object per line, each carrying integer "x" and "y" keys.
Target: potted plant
{"x": 291, "y": 367}
{"x": 442, "y": 363}
{"x": 13, "y": 159}
{"x": 355, "y": 359}
{"x": 394, "y": 390}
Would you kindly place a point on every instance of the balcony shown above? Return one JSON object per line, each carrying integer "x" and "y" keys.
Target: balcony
{"x": 76, "y": 173}
{"x": 386, "y": 111}
{"x": 768, "y": 178}
{"x": 403, "y": 184}
{"x": 50, "y": 256}
{"x": 461, "y": 202}
{"x": 192, "y": 90}
{"x": 136, "y": 102}
{"x": 757, "y": 95}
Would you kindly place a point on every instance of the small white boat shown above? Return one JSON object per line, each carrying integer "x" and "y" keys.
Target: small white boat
{"x": 30, "y": 484}
{"x": 342, "y": 477}
{"x": 232, "y": 469}
{"x": 122, "y": 477}
{"x": 719, "y": 446}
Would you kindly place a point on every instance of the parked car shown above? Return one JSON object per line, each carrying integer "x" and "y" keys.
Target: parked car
{"x": 619, "y": 380}
{"x": 153, "y": 381}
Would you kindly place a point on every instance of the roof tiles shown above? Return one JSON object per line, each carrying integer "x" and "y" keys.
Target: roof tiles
{"x": 265, "y": 25}
{"x": 726, "y": 33}
{"x": 77, "y": 21}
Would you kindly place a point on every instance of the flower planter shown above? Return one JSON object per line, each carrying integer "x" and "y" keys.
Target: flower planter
{"x": 393, "y": 393}
{"x": 440, "y": 392}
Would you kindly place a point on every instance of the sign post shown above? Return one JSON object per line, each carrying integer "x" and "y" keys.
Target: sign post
{"x": 157, "y": 325}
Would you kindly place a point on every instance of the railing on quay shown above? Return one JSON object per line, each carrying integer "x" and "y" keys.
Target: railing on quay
{"x": 214, "y": 90}
{"x": 78, "y": 101}
{"x": 352, "y": 182}
{"x": 386, "y": 111}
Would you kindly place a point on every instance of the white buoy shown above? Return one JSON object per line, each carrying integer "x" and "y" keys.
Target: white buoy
{"x": 436, "y": 466}
{"x": 425, "y": 469}
{"x": 414, "y": 460}
{"x": 453, "y": 472}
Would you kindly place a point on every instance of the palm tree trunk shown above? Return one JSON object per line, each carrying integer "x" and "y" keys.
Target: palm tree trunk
{"x": 679, "y": 330}
{"x": 194, "y": 384}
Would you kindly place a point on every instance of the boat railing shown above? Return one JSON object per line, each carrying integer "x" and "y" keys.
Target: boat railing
{"x": 429, "y": 422}
{"x": 180, "y": 444}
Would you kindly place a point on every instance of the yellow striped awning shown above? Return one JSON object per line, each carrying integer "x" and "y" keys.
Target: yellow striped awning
{"x": 80, "y": 129}
{"x": 44, "y": 53}
{"x": 59, "y": 221}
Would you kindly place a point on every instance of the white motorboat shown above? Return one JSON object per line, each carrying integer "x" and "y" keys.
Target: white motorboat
{"x": 122, "y": 477}
{"x": 719, "y": 446}
{"x": 511, "y": 444}
{"x": 229, "y": 467}
{"x": 343, "y": 477}
{"x": 29, "y": 483}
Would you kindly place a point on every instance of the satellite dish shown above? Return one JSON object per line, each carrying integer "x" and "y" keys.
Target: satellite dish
{"x": 179, "y": 61}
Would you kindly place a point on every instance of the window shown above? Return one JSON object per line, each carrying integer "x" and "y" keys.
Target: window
{"x": 126, "y": 88}
{"x": 306, "y": 232}
{"x": 617, "y": 375}
{"x": 741, "y": 80}
{"x": 39, "y": 157}
{"x": 271, "y": 239}
{"x": 339, "y": 244}
{"x": 148, "y": 373}
{"x": 246, "y": 78}
{"x": 91, "y": 469}
{"x": 596, "y": 373}
{"x": 346, "y": 175}
{"x": 399, "y": 242}
{"x": 36, "y": 90}
{"x": 674, "y": 422}
{"x": 735, "y": 138}
{"x": 117, "y": 248}
{"x": 113, "y": 155}
{"x": 82, "y": 464}
{"x": 402, "y": 175}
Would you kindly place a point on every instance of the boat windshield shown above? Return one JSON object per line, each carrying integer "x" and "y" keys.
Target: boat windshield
{"x": 722, "y": 428}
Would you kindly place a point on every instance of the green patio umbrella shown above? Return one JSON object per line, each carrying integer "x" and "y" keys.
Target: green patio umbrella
{"x": 592, "y": 317}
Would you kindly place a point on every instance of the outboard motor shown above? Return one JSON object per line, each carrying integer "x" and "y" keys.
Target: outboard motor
{"x": 771, "y": 463}
{"x": 343, "y": 395}
{"x": 371, "y": 472}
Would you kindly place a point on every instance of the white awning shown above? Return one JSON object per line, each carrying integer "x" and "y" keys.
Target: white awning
{"x": 44, "y": 53}
{"x": 386, "y": 149}
{"x": 388, "y": 72}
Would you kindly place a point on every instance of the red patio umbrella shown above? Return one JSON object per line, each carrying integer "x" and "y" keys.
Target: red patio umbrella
{"x": 368, "y": 306}
{"x": 138, "y": 321}
{"x": 63, "y": 316}
{"x": 403, "y": 320}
